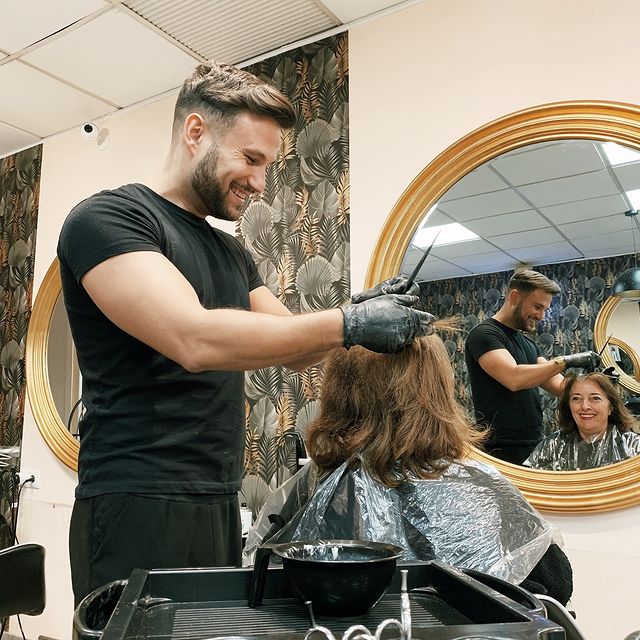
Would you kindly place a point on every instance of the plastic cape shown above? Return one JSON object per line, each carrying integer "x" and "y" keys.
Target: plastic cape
{"x": 567, "y": 451}
{"x": 471, "y": 517}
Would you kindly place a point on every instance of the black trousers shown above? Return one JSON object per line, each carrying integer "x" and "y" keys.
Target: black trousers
{"x": 112, "y": 534}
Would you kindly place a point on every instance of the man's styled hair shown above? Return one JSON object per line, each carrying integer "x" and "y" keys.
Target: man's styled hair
{"x": 528, "y": 280}
{"x": 395, "y": 414}
{"x": 221, "y": 91}
{"x": 620, "y": 415}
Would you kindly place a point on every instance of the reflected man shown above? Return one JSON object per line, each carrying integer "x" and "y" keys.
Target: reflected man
{"x": 505, "y": 368}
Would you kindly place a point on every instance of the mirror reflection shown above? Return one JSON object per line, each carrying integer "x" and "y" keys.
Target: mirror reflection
{"x": 557, "y": 207}
{"x": 63, "y": 370}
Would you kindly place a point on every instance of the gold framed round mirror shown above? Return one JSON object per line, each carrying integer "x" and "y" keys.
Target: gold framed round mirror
{"x": 601, "y": 336}
{"x": 603, "y": 489}
{"x": 39, "y": 388}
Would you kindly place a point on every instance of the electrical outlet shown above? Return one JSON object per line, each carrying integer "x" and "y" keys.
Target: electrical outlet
{"x": 24, "y": 474}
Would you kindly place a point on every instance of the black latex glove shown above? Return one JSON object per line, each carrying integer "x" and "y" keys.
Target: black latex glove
{"x": 397, "y": 284}
{"x": 612, "y": 374}
{"x": 385, "y": 324}
{"x": 588, "y": 360}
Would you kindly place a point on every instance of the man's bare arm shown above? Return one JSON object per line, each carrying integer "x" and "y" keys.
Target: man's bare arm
{"x": 501, "y": 366}
{"x": 144, "y": 294}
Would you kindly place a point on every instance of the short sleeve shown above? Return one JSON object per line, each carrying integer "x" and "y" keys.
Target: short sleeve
{"x": 103, "y": 226}
{"x": 482, "y": 339}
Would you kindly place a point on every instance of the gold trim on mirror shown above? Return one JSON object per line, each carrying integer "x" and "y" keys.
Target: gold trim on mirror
{"x": 612, "y": 487}
{"x": 45, "y": 413}
{"x": 600, "y": 338}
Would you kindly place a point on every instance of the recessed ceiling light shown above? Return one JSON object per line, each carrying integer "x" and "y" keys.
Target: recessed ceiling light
{"x": 449, "y": 234}
{"x": 617, "y": 154}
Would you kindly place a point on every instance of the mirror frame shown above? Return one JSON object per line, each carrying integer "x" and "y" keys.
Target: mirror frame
{"x": 594, "y": 490}
{"x": 44, "y": 409}
{"x": 600, "y": 338}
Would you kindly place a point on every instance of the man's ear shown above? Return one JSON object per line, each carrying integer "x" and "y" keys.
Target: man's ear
{"x": 514, "y": 297}
{"x": 193, "y": 131}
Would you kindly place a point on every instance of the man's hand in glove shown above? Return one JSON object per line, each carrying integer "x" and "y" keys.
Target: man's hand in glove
{"x": 397, "y": 284}
{"x": 385, "y": 324}
{"x": 588, "y": 360}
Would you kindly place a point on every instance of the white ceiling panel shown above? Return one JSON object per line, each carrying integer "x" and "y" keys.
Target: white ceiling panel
{"x": 484, "y": 204}
{"x": 587, "y": 185}
{"x": 440, "y": 272}
{"x": 456, "y": 249}
{"x": 31, "y": 89}
{"x": 480, "y": 180}
{"x": 546, "y": 254}
{"x": 589, "y": 228}
{"x": 356, "y": 9}
{"x": 620, "y": 242}
{"x": 495, "y": 261}
{"x": 507, "y": 223}
{"x": 585, "y": 209}
{"x": 11, "y": 138}
{"x": 560, "y": 159}
{"x": 23, "y": 22}
{"x": 123, "y": 69}
{"x": 629, "y": 175}
{"x": 522, "y": 239}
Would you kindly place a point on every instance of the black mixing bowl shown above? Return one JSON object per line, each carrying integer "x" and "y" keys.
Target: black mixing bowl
{"x": 340, "y": 577}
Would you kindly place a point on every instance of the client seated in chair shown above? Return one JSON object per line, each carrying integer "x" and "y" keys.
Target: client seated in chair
{"x": 390, "y": 463}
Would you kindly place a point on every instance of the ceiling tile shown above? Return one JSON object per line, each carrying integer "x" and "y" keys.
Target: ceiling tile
{"x": 122, "y": 69}
{"x": 483, "y": 205}
{"x": 436, "y": 218}
{"x": 440, "y": 272}
{"x": 598, "y": 245}
{"x": 522, "y": 239}
{"x": 597, "y": 227}
{"x": 548, "y": 161}
{"x": 507, "y": 223}
{"x": 354, "y": 9}
{"x": 586, "y": 185}
{"x": 495, "y": 261}
{"x": 44, "y": 18}
{"x": 456, "y": 249}
{"x": 629, "y": 175}
{"x": 12, "y": 139}
{"x": 585, "y": 209}
{"x": 23, "y": 105}
{"x": 546, "y": 254}
{"x": 480, "y": 180}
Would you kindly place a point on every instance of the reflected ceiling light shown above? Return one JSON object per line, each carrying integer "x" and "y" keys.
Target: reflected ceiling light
{"x": 449, "y": 234}
{"x": 634, "y": 199}
{"x": 627, "y": 284}
{"x": 617, "y": 154}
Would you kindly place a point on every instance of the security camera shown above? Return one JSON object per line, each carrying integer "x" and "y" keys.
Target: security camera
{"x": 89, "y": 130}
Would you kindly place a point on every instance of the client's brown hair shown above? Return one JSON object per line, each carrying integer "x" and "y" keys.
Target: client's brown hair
{"x": 395, "y": 413}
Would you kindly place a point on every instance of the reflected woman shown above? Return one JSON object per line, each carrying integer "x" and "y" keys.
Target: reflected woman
{"x": 596, "y": 429}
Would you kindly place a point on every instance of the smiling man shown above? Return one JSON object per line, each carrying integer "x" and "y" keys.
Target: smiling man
{"x": 505, "y": 368}
{"x": 166, "y": 313}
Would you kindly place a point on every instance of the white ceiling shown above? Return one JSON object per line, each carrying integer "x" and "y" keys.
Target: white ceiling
{"x": 66, "y": 62}
{"x": 541, "y": 204}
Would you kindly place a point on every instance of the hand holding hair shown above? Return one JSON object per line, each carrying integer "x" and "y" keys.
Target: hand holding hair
{"x": 386, "y": 323}
{"x": 588, "y": 360}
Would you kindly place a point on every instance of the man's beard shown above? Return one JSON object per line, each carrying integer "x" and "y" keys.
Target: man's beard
{"x": 207, "y": 186}
{"x": 520, "y": 321}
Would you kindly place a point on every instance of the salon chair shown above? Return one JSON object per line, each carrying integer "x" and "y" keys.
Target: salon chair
{"x": 22, "y": 588}
{"x": 558, "y": 614}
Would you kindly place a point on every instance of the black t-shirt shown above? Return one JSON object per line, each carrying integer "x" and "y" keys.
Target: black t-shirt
{"x": 151, "y": 426}
{"x": 515, "y": 417}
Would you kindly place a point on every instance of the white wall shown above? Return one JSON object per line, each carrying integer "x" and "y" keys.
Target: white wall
{"x": 420, "y": 79}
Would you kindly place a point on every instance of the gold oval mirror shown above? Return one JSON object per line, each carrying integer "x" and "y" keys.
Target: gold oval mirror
{"x": 39, "y": 381}
{"x": 606, "y": 488}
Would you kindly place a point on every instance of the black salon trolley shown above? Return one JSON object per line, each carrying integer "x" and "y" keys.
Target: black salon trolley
{"x": 200, "y": 604}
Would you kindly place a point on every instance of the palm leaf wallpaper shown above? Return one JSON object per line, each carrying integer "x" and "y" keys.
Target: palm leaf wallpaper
{"x": 298, "y": 234}
{"x": 19, "y": 192}
{"x": 568, "y": 325}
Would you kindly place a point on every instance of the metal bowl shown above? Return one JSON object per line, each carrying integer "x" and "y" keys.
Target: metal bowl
{"x": 340, "y": 577}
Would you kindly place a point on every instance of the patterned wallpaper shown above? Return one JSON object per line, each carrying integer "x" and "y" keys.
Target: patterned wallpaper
{"x": 19, "y": 192}
{"x": 567, "y": 328}
{"x": 298, "y": 234}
